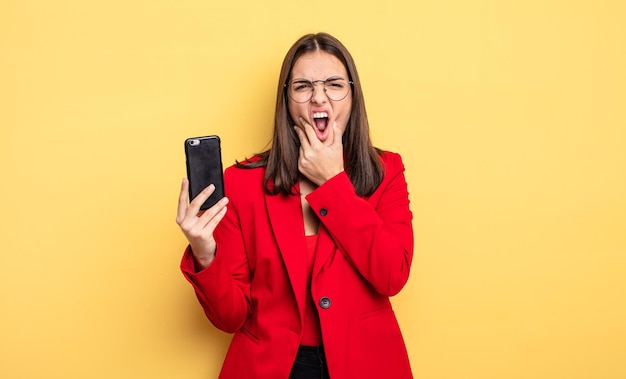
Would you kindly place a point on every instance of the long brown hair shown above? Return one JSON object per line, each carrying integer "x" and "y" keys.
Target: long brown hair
{"x": 362, "y": 161}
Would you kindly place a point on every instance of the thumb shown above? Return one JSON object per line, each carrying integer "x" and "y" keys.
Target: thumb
{"x": 337, "y": 133}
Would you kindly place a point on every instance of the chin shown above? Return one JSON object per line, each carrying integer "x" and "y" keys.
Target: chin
{"x": 322, "y": 136}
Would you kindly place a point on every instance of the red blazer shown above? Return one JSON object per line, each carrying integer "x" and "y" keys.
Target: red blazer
{"x": 256, "y": 285}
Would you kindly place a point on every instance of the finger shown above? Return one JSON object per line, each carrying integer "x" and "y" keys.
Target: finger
{"x": 183, "y": 198}
{"x": 301, "y": 135}
{"x": 212, "y": 224}
{"x": 206, "y": 219}
{"x": 330, "y": 140}
{"x": 308, "y": 139}
{"x": 196, "y": 203}
{"x": 309, "y": 130}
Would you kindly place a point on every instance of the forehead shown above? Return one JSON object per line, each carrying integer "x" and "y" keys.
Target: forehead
{"x": 317, "y": 65}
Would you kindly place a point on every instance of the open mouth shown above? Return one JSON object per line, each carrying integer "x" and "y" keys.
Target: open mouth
{"x": 320, "y": 119}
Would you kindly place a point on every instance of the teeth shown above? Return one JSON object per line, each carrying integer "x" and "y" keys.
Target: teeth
{"x": 320, "y": 115}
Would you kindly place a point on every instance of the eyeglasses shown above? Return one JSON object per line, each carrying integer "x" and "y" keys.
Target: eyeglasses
{"x": 301, "y": 90}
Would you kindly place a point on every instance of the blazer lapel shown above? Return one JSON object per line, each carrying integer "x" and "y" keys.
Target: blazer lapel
{"x": 285, "y": 214}
{"x": 325, "y": 246}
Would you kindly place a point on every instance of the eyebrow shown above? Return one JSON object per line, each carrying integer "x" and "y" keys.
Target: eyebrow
{"x": 336, "y": 77}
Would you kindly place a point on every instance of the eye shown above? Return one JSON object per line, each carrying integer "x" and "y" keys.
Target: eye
{"x": 336, "y": 84}
{"x": 301, "y": 86}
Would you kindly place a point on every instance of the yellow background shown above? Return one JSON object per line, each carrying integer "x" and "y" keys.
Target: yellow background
{"x": 510, "y": 117}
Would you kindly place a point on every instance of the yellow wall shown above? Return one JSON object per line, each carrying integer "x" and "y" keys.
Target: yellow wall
{"x": 510, "y": 116}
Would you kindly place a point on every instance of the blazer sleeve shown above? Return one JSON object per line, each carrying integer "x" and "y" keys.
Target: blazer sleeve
{"x": 223, "y": 288}
{"x": 376, "y": 234}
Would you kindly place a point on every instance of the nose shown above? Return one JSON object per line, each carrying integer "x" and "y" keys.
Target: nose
{"x": 319, "y": 92}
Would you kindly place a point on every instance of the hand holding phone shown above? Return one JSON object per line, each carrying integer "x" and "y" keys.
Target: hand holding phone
{"x": 204, "y": 167}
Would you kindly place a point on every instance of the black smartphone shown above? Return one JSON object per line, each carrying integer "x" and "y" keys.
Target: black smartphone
{"x": 204, "y": 167}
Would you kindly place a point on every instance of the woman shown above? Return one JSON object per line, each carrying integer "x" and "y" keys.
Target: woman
{"x": 316, "y": 237}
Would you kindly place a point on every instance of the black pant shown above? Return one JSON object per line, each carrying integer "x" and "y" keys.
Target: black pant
{"x": 310, "y": 364}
